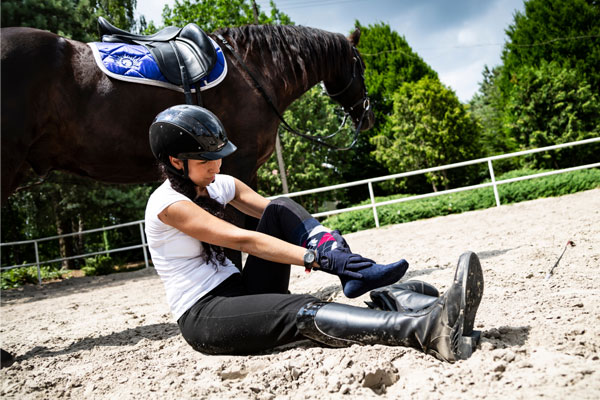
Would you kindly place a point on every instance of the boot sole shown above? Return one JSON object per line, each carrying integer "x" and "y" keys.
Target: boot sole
{"x": 472, "y": 282}
{"x": 470, "y": 276}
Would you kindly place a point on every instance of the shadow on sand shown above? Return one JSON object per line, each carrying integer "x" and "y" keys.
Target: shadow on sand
{"x": 32, "y": 293}
{"x": 506, "y": 336}
{"x": 127, "y": 337}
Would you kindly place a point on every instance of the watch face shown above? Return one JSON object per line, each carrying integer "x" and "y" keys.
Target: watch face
{"x": 309, "y": 257}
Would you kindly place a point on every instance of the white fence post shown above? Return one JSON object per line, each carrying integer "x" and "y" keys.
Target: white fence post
{"x": 494, "y": 182}
{"x": 37, "y": 263}
{"x": 373, "y": 204}
{"x": 144, "y": 242}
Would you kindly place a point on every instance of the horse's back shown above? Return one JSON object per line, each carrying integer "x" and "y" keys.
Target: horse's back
{"x": 27, "y": 53}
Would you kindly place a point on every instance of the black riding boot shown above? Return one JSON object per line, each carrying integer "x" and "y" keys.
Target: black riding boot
{"x": 444, "y": 329}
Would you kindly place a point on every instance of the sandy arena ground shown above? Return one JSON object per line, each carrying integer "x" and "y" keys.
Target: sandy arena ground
{"x": 113, "y": 337}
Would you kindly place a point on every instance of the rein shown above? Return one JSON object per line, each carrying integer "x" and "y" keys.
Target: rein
{"x": 317, "y": 139}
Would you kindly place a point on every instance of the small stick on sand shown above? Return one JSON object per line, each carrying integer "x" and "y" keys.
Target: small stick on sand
{"x": 549, "y": 274}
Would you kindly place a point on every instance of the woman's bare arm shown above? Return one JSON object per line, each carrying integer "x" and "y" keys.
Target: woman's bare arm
{"x": 247, "y": 200}
{"x": 191, "y": 219}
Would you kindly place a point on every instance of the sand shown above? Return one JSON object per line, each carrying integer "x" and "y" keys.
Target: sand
{"x": 113, "y": 337}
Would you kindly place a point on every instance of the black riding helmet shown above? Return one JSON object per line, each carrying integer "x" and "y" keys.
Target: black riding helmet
{"x": 188, "y": 132}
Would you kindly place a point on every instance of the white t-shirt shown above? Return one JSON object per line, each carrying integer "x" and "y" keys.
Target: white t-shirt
{"x": 177, "y": 257}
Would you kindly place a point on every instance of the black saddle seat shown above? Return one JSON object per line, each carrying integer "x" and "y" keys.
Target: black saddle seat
{"x": 173, "y": 48}
{"x": 119, "y": 35}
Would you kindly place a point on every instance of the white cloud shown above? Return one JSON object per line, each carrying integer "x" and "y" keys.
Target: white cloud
{"x": 464, "y": 80}
{"x": 467, "y": 37}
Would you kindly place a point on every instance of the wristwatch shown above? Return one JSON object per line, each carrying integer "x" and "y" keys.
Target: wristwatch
{"x": 309, "y": 258}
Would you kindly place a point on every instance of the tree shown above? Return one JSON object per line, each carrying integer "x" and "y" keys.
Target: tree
{"x": 551, "y": 45}
{"x": 551, "y": 105}
{"x": 488, "y": 107}
{"x": 211, "y": 15}
{"x": 65, "y": 203}
{"x": 566, "y": 32}
{"x": 69, "y": 18}
{"x": 429, "y": 127}
{"x": 485, "y": 106}
{"x": 390, "y": 62}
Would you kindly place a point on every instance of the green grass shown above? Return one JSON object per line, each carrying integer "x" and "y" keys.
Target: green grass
{"x": 412, "y": 210}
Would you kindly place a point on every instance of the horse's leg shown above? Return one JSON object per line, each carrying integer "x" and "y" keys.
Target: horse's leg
{"x": 14, "y": 149}
{"x": 23, "y": 177}
{"x": 11, "y": 176}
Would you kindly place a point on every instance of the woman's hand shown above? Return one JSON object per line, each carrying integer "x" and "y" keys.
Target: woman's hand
{"x": 341, "y": 263}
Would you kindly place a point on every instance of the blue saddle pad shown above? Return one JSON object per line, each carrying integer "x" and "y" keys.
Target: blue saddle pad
{"x": 134, "y": 63}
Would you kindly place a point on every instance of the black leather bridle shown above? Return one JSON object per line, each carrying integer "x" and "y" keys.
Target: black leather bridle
{"x": 364, "y": 101}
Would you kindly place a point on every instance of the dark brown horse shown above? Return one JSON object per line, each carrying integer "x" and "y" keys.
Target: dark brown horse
{"x": 60, "y": 112}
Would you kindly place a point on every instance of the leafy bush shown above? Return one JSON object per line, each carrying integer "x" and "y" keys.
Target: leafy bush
{"x": 17, "y": 277}
{"x": 554, "y": 185}
{"x": 99, "y": 265}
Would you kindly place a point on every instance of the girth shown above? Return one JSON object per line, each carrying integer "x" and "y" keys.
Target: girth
{"x": 184, "y": 55}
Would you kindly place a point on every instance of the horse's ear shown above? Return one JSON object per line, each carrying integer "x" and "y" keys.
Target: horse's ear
{"x": 354, "y": 37}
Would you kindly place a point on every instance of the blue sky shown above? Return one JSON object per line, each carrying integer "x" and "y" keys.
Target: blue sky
{"x": 455, "y": 37}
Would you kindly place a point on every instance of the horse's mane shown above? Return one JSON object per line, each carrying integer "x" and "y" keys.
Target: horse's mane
{"x": 297, "y": 48}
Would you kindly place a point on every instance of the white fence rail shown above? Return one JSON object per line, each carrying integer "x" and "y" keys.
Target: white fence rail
{"x": 487, "y": 160}
{"x": 37, "y": 263}
{"x": 373, "y": 204}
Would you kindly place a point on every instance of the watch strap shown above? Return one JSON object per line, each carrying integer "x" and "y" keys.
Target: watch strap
{"x": 308, "y": 266}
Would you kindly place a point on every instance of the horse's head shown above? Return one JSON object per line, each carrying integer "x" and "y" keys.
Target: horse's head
{"x": 348, "y": 87}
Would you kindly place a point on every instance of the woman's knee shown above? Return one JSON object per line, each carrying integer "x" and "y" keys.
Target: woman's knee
{"x": 205, "y": 343}
{"x": 289, "y": 205}
{"x": 277, "y": 204}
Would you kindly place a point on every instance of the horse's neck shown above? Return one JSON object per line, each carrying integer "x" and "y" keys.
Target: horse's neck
{"x": 297, "y": 87}
{"x": 301, "y": 72}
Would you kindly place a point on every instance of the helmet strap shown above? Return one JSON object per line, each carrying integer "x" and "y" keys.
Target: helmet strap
{"x": 184, "y": 174}
{"x": 185, "y": 169}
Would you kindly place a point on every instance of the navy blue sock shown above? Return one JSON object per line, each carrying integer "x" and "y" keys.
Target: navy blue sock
{"x": 374, "y": 277}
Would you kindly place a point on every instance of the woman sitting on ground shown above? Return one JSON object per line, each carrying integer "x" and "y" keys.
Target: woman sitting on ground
{"x": 221, "y": 310}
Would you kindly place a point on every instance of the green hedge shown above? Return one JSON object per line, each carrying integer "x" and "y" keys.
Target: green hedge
{"x": 17, "y": 277}
{"x": 99, "y": 265}
{"x": 549, "y": 186}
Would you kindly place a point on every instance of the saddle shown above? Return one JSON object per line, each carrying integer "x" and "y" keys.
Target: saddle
{"x": 184, "y": 55}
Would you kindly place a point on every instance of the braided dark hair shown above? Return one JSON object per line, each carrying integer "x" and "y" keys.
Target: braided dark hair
{"x": 187, "y": 188}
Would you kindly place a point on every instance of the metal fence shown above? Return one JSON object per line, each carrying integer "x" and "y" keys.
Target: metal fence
{"x": 373, "y": 204}
{"x": 494, "y": 183}
{"x": 38, "y": 263}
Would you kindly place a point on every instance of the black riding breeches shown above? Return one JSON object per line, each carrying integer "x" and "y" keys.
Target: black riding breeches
{"x": 252, "y": 312}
